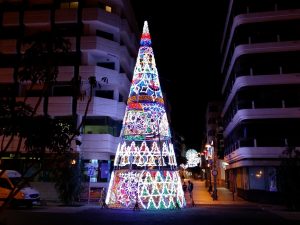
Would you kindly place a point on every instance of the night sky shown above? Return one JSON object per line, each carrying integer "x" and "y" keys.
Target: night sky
{"x": 186, "y": 43}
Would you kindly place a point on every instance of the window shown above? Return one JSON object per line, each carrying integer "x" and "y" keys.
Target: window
{"x": 63, "y": 90}
{"x": 213, "y": 108}
{"x": 35, "y": 91}
{"x": 108, "y": 65}
{"x": 120, "y": 98}
{"x": 105, "y": 94}
{"x": 96, "y": 129}
{"x": 74, "y": 5}
{"x": 212, "y": 121}
{"x": 257, "y": 178}
{"x": 108, "y": 9}
{"x": 67, "y": 29}
{"x": 102, "y": 125}
{"x": 7, "y": 90}
{"x": 211, "y": 133}
{"x": 69, "y": 5}
{"x": 5, "y": 184}
{"x": 105, "y": 35}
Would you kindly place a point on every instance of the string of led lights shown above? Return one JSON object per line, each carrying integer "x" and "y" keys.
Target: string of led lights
{"x": 145, "y": 168}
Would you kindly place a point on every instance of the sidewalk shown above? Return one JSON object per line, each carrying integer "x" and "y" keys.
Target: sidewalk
{"x": 201, "y": 196}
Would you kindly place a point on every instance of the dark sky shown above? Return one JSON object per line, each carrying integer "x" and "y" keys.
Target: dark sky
{"x": 186, "y": 42}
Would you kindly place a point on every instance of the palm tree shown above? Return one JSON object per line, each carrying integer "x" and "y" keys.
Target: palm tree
{"x": 38, "y": 65}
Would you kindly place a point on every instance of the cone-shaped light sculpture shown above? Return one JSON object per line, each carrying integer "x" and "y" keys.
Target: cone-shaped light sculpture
{"x": 145, "y": 169}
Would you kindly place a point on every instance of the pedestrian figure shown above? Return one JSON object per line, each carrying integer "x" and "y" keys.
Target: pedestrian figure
{"x": 184, "y": 187}
{"x": 190, "y": 188}
{"x": 177, "y": 205}
{"x": 193, "y": 203}
{"x": 136, "y": 205}
{"x": 102, "y": 200}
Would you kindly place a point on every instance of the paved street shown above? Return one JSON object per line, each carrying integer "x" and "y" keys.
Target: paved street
{"x": 208, "y": 212}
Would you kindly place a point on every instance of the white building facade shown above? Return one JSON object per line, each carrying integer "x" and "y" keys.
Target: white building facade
{"x": 260, "y": 67}
{"x": 104, "y": 43}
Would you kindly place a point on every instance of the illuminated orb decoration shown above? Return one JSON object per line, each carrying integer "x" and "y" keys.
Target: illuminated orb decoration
{"x": 193, "y": 158}
{"x": 145, "y": 168}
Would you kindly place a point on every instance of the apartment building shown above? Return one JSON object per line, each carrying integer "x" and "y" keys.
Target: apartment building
{"x": 214, "y": 140}
{"x": 104, "y": 43}
{"x": 261, "y": 88}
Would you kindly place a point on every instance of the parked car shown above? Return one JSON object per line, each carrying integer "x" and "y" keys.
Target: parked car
{"x": 27, "y": 196}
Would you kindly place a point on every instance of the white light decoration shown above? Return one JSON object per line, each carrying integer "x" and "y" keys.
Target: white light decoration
{"x": 145, "y": 167}
{"x": 193, "y": 158}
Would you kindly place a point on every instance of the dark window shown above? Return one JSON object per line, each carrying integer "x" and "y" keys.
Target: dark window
{"x": 122, "y": 70}
{"x": 34, "y": 93}
{"x": 10, "y": 32}
{"x": 101, "y": 5}
{"x": 5, "y": 184}
{"x": 108, "y": 65}
{"x": 213, "y": 108}
{"x": 63, "y": 90}
{"x": 7, "y": 90}
{"x": 105, "y": 94}
{"x": 120, "y": 98}
{"x": 68, "y": 59}
{"x": 211, "y": 133}
{"x": 8, "y": 60}
{"x": 105, "y": 35}
{"x": 69, "y": 29}
{"x": 212, "y": 121}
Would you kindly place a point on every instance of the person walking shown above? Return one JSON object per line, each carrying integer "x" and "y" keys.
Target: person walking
{"x": 184, "y": 187}
{"x": 190, "y": 190}
{"x": 102, "y": 199}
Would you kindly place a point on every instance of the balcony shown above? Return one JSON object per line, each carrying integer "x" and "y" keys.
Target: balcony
{"x": 72, "y": 41}
{"x": 33, "y": 101}
{"x": 257, "y": 18}
{"x": 127, "y": 36}
{"x": 114, "y": 78}
{"x": 8, "y": 46}
{"x": 126, "y": 59}
{"x": 92, "y": 15}
{"x": 65, "y": 73}
{"x": 66, "y": 16}
{"x": 6, "y": 75}
{"x": 252, "y": 114}
{"x": 251, "y": 153}
{"x": 99, "y": 143}
{"x": 103, "y": 107}
{"x": 41, "y": 17}
{"x": 13, "y": 145}
{"x": 261, "y": 80}
{"x": 92, "y": 43}
{"x": 259, "y": 49}
{"x": 60, "y": 106}
{"x": 11, "y": 19}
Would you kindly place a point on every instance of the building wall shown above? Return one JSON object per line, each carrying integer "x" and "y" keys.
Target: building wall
{"x": 104, "y": 44}
{"x": 261, "y": 86}
{"x": 214, "y": 135}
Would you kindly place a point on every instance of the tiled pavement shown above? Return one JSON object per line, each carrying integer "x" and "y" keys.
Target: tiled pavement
{"x": 202, "y": 197}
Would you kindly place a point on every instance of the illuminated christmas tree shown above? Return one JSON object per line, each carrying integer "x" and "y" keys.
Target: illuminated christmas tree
{"x": 145, "y": 169}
